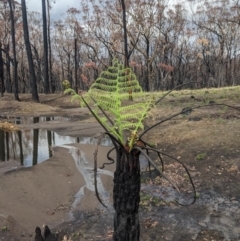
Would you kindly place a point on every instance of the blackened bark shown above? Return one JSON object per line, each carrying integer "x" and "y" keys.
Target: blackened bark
{"x": 146, "y": 82}
{"x": 127, "y": 56}
{"x": 33, "y": 81}
{"x": 125, "y": 33}
{"x": 38, "y": 67}
{"x": 8, "y": 72}
{"x": 126, "y": 196}
{"x": 75, "y": 64}
{"x": 15, "y": 63}
{"x": 51, "y": 82}
{"x": 69, "y": 72}
{"x": 62, "y": 68}
{"x": 2, "y": 86}
{"x": 45, "y": 43}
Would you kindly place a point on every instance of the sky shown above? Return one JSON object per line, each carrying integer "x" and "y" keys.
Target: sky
{"x": 59, "y": 8}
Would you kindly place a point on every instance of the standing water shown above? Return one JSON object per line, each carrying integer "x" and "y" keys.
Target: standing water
{"x": 31, "y": 147}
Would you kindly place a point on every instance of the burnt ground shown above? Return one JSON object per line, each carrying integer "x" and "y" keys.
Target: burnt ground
{"x": 207, "y": 141}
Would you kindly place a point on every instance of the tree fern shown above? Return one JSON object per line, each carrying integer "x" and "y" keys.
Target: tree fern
{"x": 109, "y": 101}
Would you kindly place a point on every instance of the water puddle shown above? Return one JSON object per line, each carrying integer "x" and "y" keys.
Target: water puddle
{"x": 85, "y": 167}
{"x": 31, "y": 147}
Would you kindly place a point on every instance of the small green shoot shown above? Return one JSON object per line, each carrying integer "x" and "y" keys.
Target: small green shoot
{"x": 201, "y": 156}
{"x": 4, "y": 228}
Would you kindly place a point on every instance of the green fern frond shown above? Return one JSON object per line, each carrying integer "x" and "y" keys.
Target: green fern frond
{"x": 108, "y": 98}
{"x": 132, "y": 126}
{"x": 107, "y": 75}
{"x": 69, "y": 91}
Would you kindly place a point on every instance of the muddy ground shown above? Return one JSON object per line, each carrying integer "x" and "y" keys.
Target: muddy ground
{"x": 207, "y": 141}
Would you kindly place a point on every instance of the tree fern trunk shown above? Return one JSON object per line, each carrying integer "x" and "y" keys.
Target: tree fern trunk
{"x": 126, "y": 196}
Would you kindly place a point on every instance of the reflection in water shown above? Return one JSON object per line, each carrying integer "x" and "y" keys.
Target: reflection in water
{"x": 85, "y": 168}
{"x": 35, "y": 142}
{"x": 20, "y": 147}
{"x": 31, "y": 147}
{"x": 2, "y": 145}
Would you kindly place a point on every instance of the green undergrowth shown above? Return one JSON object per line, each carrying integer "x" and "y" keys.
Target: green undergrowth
{"x": 147, "y": 201}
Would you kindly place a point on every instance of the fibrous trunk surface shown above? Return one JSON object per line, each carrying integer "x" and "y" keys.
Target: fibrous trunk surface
{"x": 126, "y": 196}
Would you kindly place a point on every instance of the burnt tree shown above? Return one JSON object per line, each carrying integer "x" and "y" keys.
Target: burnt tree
{"x": 15, "y": 63}
{"x": 126, "y": 195}
{"x": 2, "y": 86}
{"x": 45, "y": 43}
{"x": 29, "y": 53}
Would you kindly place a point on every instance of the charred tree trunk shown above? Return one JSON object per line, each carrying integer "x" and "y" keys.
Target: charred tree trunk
{"x": 126, "y": 196}
{"x": 69, "y": 72}
{"x": 8, "y": 72}
{"x": 2, "y": 86}
{"x": 37, "y": 66}
{"x": 45, "y": 43}
{"x": 75, "y": 64}
{"x": 15, "y": 63}
{"x": 33, "y": 81}
{"x": 126, "y": 53}
{"x": 52, "y": 84}
{"x": 146, "y": 83}
{"x": 125, "y": 33}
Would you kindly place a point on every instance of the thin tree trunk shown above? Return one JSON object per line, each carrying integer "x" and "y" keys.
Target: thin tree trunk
{"x": 76, "y": 65}
{"x": 126, "y": 55}
{"x": 2, "y": 86}
{"x": 69, "y": 74}
{"x": 125, "y": 33}
{"x": 38, "y": 67}
{"x": 51, "y": 83}
{"x": 62, "y": 68}
{"x": 45, "y": 43}
{"x": 33, "y": 81}
{"x": 146, "y": 82}
{"x": 15, "y": 63}
{"x": 126, "y": 196}
{"x": 8, "y": 72}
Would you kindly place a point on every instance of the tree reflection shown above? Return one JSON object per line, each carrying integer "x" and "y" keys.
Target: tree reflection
{"x": 20, "y": 146}
{"x": 7, "y": 145}
{"x": 35, "y": 142}
{"x": 49, "y": 139}
{"x": 19, "y": 133}
{"x": 2, "y": 146}
{"x": 30, "y": 146}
